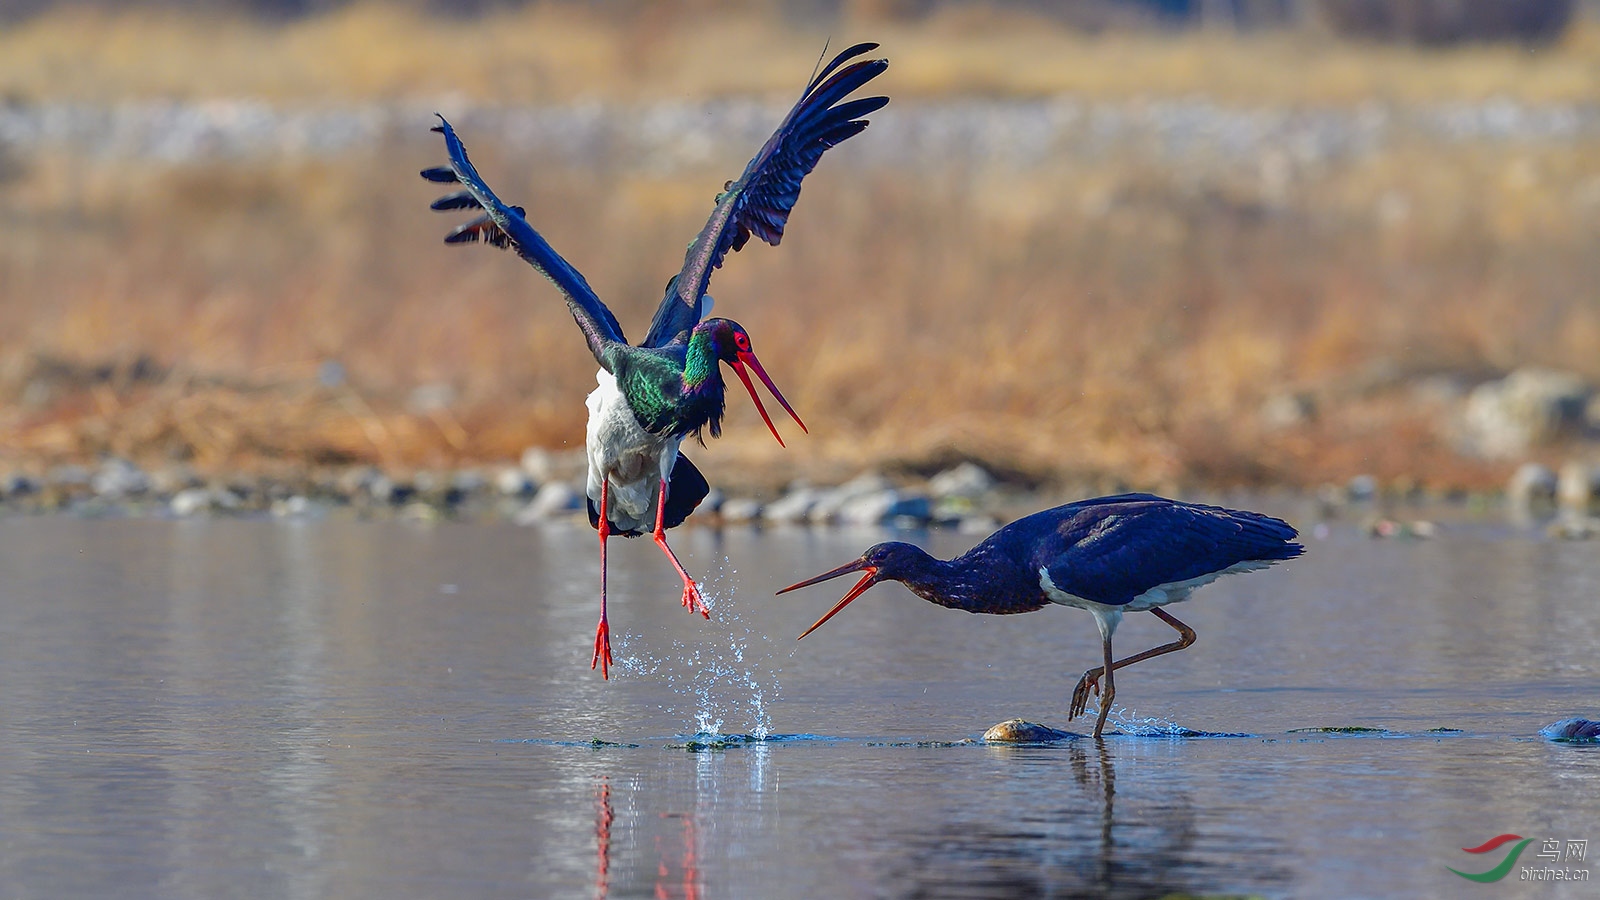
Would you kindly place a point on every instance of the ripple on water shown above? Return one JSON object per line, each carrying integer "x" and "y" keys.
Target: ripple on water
{"x": 714, "y": 741}
{"x": 1342, "y": 729}
{"x": 591, "y": 744}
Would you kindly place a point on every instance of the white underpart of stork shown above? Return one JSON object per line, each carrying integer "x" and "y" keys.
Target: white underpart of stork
{"x": 634, "y": 460}
{"x": 1108, "y": 616}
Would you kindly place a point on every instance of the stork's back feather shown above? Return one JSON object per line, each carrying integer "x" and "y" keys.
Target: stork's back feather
{"x": 1113, "y": 549}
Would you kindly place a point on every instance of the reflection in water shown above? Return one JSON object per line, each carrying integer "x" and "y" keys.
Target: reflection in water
{"x": 677, "y": 850}
{"x": 299, "y": 777}
{"x": 602, "y": 838}
{"x": 688, "y": 870}
{"x": 1083, "y": 847}
{"x": 1105, "y": 775}
{"x": 265, "y": 709}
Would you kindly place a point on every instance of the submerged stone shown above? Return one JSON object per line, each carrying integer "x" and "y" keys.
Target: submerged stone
{"x": 511, "y": 481}
{"x": 967, "y": 481}
{"x": 1532, "y": 485}
{"x": 1530, "y": 406}
{"x": 794, "y": 506}
{"x": 1578, "y": 485}
{"x": 554, "y": 499}
{"x": 882, "y": 507}
{"x": 118, "y": 478}
{"x": 1574, "y": 527}
{"x": 1021, "y": 731}
{"x": 741, "y": 509}
{"x": 1577, "y": 731}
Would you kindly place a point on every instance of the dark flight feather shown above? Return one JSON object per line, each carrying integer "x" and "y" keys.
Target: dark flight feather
{"x": 760, "y": 201}
{"x": 507, "y": 227}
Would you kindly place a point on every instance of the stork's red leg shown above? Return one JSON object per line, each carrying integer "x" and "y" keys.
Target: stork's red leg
{"x": 1090, "y": 680}
{"x": 602, "y": 634}
{"x": 691, "y": 591}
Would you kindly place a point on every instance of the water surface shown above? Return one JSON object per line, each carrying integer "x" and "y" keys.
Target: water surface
{"x": 333, "y": 708}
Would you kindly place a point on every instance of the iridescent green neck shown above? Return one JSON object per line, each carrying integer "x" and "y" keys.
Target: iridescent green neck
{"x": 700, "y": 361}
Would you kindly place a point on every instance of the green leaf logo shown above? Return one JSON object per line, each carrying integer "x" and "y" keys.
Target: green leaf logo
{"x": 1502, "y": 870}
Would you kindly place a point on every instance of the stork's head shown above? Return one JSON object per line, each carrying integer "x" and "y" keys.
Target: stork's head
{"x": 889, "y": 561}
{"x": 731, "y": 344}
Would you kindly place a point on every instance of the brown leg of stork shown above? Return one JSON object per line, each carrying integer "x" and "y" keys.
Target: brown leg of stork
{"x": 691, "y": 591}
{"x": 1109, "y": 694}
{"x": 602, "y": 634}
{"x": 1090, "y": 679}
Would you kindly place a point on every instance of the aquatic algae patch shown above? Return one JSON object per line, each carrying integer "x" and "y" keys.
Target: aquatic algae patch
{"x": 711, "y": 740}
{"x": 1339, "y": 729}
{"x": 704, "y": 746}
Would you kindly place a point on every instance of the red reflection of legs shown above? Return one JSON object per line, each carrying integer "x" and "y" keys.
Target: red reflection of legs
{"x": 602, "y": 835}
{"x": 689, "y": 874}
{"x": 691, "y": 868}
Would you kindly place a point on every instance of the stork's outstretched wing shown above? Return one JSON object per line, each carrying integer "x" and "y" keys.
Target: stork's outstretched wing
{"x": 504, "y": 226}
{"x": 760, "y": 201}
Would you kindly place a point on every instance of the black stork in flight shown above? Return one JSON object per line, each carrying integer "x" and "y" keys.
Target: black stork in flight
{"x": 653, "y": 395}
{"x": 1110, "y": 555}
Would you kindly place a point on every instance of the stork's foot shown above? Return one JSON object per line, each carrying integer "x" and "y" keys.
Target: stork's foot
{"x": 692, "y": 601}
{"x": 602, "y": 649}
{"x": 1090, "y": 682}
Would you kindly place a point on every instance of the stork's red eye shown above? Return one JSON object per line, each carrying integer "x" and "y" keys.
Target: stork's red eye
{"x": 741, "y": 341}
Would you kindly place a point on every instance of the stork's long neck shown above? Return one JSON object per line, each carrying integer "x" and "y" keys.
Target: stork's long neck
{"x": 928, "y": 577}
{"x": 981, "y": 581}
{"x": 702, "y": 389}
{"x": 700, "y": 372}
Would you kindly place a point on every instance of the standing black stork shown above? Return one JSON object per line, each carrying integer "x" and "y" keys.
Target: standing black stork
{"x": 651, "y": 396}
{"x": 1109, "y": 555}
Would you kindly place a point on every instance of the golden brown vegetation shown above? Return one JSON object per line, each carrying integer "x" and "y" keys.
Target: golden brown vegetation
{"x": 1105, "y": 318}
{"x": 554, "y": 53}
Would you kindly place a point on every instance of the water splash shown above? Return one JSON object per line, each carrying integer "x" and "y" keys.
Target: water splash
{"x": 729, "y": 676}
{"x": 1127, "y": 721}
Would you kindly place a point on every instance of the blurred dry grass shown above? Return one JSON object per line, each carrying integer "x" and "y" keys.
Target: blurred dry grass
{"x": 1109, "y": 318}
{"x": 548, "y": 53}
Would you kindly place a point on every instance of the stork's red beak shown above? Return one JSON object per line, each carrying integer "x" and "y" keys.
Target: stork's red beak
{"x": 867, "y": 581}
{"x": 746, "y": 358}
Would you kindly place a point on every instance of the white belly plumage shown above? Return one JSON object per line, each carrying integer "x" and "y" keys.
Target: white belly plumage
{"x": 632, "y": 459}
{"x": 1107, "y": 617}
